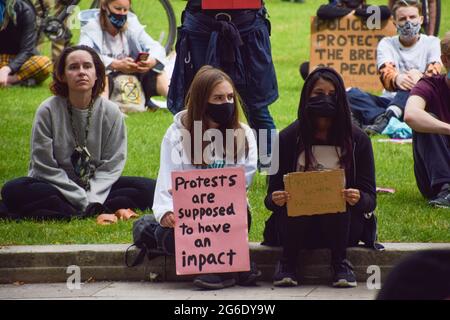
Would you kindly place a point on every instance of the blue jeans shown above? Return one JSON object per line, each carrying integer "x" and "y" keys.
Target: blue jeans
{"x": 366, "y": 107}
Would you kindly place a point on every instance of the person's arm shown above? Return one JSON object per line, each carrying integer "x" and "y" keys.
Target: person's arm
{"x": 86, "y": 40}
{"x": 365, "y": 176}
{"x": 276, "y": 182}
{"x": 27, "y": 20}
{"x": 421, "y": 121}
{"x": 163, "y": 201}
{"x": 434, "y": 63}
{"x": 114, "y": 153}
{"x": 44, "y": 165}
{"x": 151, "y": 46}
{"x": 251, "y": 161}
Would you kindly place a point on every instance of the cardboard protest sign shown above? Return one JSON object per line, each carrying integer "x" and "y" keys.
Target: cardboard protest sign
{"x": 210, "y": 208}
{"x": 315, "y": 192}
{"x": 231, "y": 4}
{"x": 350, "y": 47}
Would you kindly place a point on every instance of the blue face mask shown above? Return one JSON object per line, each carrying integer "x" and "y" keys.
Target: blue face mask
{"x": 2, "y": 11}
{"x": 409, "y": 30}
{"x": 117, "y": 20}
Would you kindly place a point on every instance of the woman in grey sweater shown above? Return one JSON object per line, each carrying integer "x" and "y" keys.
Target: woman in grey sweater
{"x": 78, "y": 150}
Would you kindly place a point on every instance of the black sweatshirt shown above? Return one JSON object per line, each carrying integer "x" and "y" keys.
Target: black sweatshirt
{"x": 360, "y": 176}
{"x": 19, "y": 39}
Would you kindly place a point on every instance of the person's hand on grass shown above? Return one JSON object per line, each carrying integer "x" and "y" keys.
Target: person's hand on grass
{"x": 168, "y": 221}
{"x": 280, "y": 197}
{"x": 4, "y": 73}
{"x": 351, "y": 196}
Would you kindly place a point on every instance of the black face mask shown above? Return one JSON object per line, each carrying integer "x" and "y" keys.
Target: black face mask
{"x": 220, "y": 113}
{"x": 322, "y": 106}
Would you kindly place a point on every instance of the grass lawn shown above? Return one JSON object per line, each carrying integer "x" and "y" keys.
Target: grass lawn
{"x": 403, "y": 217}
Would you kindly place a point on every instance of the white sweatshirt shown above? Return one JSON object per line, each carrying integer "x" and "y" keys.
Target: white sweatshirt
{"x": 170, "y": 161}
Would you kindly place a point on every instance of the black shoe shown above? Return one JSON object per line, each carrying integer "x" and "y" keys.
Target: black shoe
{"x": 248, "y": 278}
{"x": 215, "y": 281}
{"x": 343, "y": 276}
{"x": 379, "y": 124}
{"x": 285, "y": 275}
{"x": 442, "y": 200}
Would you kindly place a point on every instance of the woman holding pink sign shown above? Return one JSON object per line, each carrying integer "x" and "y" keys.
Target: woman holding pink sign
{"x": 325, "y": 139}
{"x": 206, "y": 135}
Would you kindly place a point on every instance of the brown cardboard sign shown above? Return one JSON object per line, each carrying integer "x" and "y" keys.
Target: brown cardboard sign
{"x": 350, "y": 47}
{"x": 315, "y": 192}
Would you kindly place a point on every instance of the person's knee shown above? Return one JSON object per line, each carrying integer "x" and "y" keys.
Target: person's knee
{"x": 14, "y": 190}
{"x": 165, "y": 239}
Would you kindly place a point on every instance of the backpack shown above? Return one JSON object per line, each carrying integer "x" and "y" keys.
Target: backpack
{"x": 144, "y": 238}
{"x": 127, "y": 93}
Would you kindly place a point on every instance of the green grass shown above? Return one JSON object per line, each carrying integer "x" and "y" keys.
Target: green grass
{"x": 403, "y": 217}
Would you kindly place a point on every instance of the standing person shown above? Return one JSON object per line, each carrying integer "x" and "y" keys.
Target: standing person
{"x": 78, "y": 151}
{"x": 118, "y": 37}
{"x": 236, "y": 41}
{"x": 19, "y": 59}
{"x": 212, "y": 102}
{"x": 54, "y": 8}
{"x": 428, "y": 114}
{"x": 322, "y": 138}
{"x": 402, "y": 61}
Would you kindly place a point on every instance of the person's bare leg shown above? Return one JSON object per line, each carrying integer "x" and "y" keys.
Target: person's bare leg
{"x": 162, "y": 84}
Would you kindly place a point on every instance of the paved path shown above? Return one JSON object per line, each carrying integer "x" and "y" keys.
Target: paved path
{"x": 180, "y": 291}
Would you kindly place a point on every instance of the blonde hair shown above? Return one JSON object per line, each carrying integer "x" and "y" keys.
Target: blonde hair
{"x": 104, "y": 14}
{"x": 406, "y": 3}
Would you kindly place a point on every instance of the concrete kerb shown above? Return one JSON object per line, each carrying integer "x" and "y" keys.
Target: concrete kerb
{"x": 48, "y": 264}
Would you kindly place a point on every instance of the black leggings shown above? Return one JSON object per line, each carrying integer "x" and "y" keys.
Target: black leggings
{"x": 319, "y": 231}
{"x": 32, "y": 198}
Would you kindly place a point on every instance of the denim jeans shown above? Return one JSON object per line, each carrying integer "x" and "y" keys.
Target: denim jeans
{"x": 366, "y": 107}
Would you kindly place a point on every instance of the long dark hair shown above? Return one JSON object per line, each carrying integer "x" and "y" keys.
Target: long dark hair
{"x": 59, "y": 88}
{"x": 204, "y": 82}
{"x": 340, "y": 133}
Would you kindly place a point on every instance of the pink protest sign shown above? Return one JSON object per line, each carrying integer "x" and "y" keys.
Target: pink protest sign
{"x": 210, "y": 208}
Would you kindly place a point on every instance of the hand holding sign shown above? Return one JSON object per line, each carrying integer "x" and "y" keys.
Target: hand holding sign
{"x": 210, "y": 211}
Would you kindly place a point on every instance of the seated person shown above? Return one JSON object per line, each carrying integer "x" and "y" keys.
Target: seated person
{"x": 428, "y": 114}
{"x": 339, "y": 9}
{"x": 321, "y": 138}
{"x": 402, "y": 61}
{"x": 118, "y": 38}
{"x": 213, "y": 100}
{"x": 78, "y": 151}
{"x": 19, "y": 59}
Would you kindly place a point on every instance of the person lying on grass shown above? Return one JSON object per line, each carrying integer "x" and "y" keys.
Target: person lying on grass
{"x": 78, "y": 151}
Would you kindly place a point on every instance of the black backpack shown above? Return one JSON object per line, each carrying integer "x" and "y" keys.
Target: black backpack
{"x": 144, "y": 238}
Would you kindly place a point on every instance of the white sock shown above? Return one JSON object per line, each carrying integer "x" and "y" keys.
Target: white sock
{"x": 396, "y": 110}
